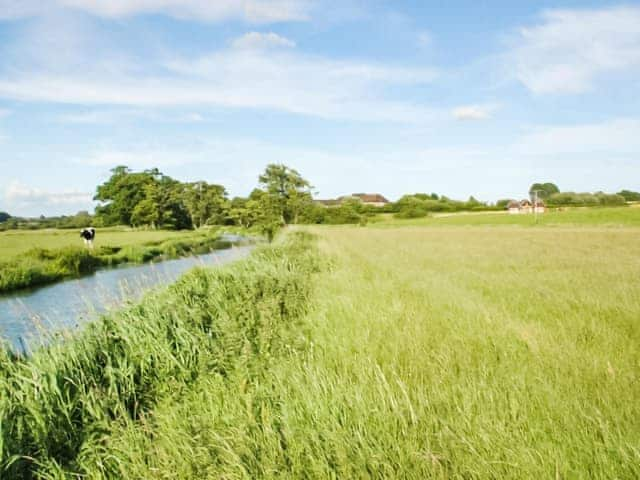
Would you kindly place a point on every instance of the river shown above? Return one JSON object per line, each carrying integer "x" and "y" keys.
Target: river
{"x": 28, "y": 314}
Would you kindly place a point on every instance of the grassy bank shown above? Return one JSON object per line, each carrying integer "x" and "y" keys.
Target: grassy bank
{"x": 63, "y": 411}
{"x": 14, "y": 243}
{"x": 576, "y": 217}
{"x": 38, "y": 266}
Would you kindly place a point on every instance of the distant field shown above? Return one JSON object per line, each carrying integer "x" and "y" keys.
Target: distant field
{"x": 15, "y": 242}
{"x": 483, "y": 352}
{"x": 609, "y": 217}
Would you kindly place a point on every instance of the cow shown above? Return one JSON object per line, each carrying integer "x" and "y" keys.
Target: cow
{"x": 88, "y": 234}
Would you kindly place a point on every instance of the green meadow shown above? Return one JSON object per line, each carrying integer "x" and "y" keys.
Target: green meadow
{"x": 16, "y": 242}
{"x": 40, "y": 257}
{"x": 569, "y": 216}
{"x": 466, "y": 351}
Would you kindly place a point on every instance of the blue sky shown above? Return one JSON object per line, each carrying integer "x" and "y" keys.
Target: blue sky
{"x": 460, "y": 97}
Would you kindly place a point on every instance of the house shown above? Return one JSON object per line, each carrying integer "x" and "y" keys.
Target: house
{"x": 539, "y": 207}
{"x": 525, "y": 206}
{"x": 373, "y": 199}
{"x": 513, "y": 207}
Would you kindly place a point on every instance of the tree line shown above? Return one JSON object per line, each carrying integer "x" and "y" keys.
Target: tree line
{"x": 152, "y": 199}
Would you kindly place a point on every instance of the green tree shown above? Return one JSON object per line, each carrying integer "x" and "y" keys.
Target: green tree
{"x": 121, "y": 193}
{"x": 630, "y": 196}
{"x": 545, "y": 190}
{"x": 265, "y": 212}
{"x": 4, "y": 216}
{"x": 287, "y": 187}
{"x": 205, "y": 203}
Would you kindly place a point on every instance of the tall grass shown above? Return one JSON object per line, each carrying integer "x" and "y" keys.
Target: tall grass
{"x": 59, "y": 408}
{"x": 40, "y": 266}
{"x": 466, "y": 353}
{"x": 424, "y": 353}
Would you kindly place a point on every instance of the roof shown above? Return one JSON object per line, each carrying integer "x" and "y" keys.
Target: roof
{"x": 513, "y": 204}
{"x": 371, "y": 197}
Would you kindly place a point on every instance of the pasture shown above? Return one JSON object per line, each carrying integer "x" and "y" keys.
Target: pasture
{"x": 413, "y": 352}
{"x": 577, "y": 217}
{"x": 480, "y": 352}
{"x": 16, "y": 242}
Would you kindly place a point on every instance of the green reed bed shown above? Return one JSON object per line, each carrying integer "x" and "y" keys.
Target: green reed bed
{"x": 40, "y": 266}
{"x": 60, "y": 408}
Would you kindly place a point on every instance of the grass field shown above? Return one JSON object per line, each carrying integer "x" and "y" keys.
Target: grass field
{"x": 454, "y": 352}
{"x": 28, "y": 259}
{"x": 17, "y": 242}
{"x": 578, "y": 217}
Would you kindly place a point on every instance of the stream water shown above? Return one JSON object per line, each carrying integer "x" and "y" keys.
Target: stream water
{"x": 27, "y": 314}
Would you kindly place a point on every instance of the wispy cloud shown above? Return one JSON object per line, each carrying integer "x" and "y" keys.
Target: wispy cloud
{"x": 4, "y": 113}
{"x": 111, "y": 116}
{"x": 288, "y": 81}
{"x": 570, "y": 49}
{"x": 253, "y": 11}
{"x": 258, "y": 40}
{"x": 22, "y": 195}
{"x": 473, "y": 112}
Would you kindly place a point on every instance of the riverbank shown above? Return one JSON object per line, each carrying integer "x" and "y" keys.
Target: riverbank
{"x": 40, "y": 266}
{"x": 63, "y": 410}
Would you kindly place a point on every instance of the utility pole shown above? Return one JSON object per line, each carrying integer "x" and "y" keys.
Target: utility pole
{"x": 535, "y": 204}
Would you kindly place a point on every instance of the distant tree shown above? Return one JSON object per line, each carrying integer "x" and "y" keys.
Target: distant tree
{"x": 630, "y": 196}
{"x": 545, "y": 190}
{"x": 264, "y": 212}
{"x": 205, "y": 203}
{"x": 287, "y": 187}
{"x": 4, "y": 216}
{"x": 121, "y": 193}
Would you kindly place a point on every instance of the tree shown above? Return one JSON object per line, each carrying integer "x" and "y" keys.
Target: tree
{"x": 264, "y": 211}
{"x": 4, "y": 216}
{"x": 630, "y": 196}
{"x": 288, "y": 189}
{"x": 121, "y": 193}
{"x": 545, "y": 190}
{"x": 205, "y": 203}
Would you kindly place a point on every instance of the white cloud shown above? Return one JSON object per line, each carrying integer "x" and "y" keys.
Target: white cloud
{"x": 253, "y": 11}
{"x": 617, "y": 137}
{"x": 257, "y": 40}
{"x": 238, "y": 78}
{"x": 425, "y": 39}
{"x": 103, "y": 117}
{"x": 20, "y": 194}
{"x": 570, "y": 49}
{"x": 138, "y": 158}
{"x": 473, "y": 112}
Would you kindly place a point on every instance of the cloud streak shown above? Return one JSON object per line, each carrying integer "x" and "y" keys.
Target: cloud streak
{"x": 252, "y": 11}
{"x": 235, "y": 78}
{"x": 570, "y": 49}
{"x": 22, "y": 195}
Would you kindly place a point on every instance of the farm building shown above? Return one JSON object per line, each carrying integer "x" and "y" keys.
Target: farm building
{"x": 373, "y": 199}
{"x": 525, "y": 206}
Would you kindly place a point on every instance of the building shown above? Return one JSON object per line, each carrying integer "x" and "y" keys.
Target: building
{"x": 513, "y": 207}
{"x": 372, "y": 199}
{"x": 525, "y": 206}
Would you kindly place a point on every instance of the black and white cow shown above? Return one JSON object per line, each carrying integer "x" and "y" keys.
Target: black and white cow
{"x": 88, "y": 234}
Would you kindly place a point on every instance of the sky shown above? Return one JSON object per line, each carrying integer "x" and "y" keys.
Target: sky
{"x": 461, "y": 98}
